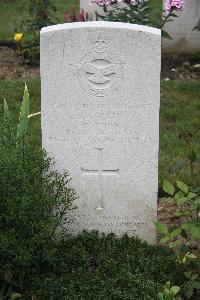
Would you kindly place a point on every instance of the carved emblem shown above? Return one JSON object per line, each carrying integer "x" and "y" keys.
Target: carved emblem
{"x": 100, "y": 72}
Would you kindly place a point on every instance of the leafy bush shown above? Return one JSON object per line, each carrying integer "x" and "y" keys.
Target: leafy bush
{"x": 34, "y": 201}
{"x": 41, "y": 14}
{"x": 138, "y": 12}
{"x": 97, "y": 267}
{"x": 30, "y": 48}
{"x": 184, "y": 238}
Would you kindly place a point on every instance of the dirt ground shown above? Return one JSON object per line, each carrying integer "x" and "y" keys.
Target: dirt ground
{"x": 12, "y": 66}
{"x": 173, "y": 66}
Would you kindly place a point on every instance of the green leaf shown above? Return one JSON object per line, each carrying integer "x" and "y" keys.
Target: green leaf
{"x": 174, "y": 244}
{"x": 192, "y": 228}
{"x": 23, "y": 119}
{"x": 168, "y": 188}
{"x": 196, "y": 285}
{"x": 179, "y": 194}
{"x": 192, "y": 156}
{"x": 173, "y": 15}
{"x": 189, "y": 292}
{"x": 192, "y": 256}
{"x": 176, "y": 232}
{"x": 6, "y": 110}
{"x": 165, "y": 239}
{"x": 174, "y": 290}
{"x": 178, "y": 213}
{"x": 166, "y": 35}
{"x": 194, "y": 276}
{"x": 186, "y": 226}
{"x": 160, "y": 296}
{"x": 182, "y": 186}
{"x": 15, "y": 296}
{"x": 162, "y": 228}
{"x": 187, "y": 274}
{"x": 181, "y": 201}
{"x": 166, "y": 293}
{"x": 191, "y": 195}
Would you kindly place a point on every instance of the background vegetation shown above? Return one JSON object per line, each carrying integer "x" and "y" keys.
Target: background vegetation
{"x": 17, "y": 10}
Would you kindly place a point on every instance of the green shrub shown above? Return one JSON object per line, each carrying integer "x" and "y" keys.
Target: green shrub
{"x": 91, "y": 266}
{"x": 184, "y": 238}
{"x": 41, "y": 12}
{"x": 34, "y": 201}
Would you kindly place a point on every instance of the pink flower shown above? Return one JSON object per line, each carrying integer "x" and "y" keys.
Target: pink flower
{"x": 173, "y": 5}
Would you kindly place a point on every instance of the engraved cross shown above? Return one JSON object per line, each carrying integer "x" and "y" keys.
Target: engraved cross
{"x": 100, "y": 172}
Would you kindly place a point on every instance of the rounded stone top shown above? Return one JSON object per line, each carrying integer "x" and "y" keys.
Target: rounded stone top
{"x": 101, "y": 24}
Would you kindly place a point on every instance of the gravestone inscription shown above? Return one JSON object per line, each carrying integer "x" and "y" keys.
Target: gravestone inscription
{"x": 100, "y": 118}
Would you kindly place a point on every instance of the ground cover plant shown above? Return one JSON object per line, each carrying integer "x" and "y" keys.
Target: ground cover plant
{"x": 93, "y": 266}
{"x": 184, "y": 238}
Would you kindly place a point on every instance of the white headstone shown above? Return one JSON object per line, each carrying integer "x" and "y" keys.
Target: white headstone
{"x": 100, "y": 121}
{"x": 184, "y": 40}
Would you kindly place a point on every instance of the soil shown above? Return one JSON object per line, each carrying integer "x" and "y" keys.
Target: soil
{"x": 173, "y": 66}
{"x": 185, "y": 67}
{"x": 12, "y": 66}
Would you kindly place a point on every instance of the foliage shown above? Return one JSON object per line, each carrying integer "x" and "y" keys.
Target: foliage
{"x": 185, "y": 237}
{"x": 192, "y": 161}
{"x": 169, "y": 293}
{"x": 34, "y": 202}
{"x": 41, "y": 14}
{"x": 97, "y": 266}
{"x": 9, "y": 137}
{"x": 138, "y": 13}
{"x": 18, "y": 12}
{"x": 30, "y": 48}
{"x": 6, "y": 293}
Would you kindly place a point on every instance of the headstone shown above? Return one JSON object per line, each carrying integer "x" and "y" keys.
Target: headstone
{"x": 184, "y": 40}
{"x": 100, "y": 121}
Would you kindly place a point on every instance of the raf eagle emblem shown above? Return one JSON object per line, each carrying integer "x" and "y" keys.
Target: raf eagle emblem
{"x": 99, "y": 74}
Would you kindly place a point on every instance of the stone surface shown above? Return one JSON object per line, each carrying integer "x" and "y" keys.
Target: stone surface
{"x": 90, "y": 8}
{"x": 184, "y": 39}
{"x": 100, "y": 121}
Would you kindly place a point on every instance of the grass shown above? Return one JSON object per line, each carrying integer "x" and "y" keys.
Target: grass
{"x": 14, "y": 14}
{"x": 180, "y": 106}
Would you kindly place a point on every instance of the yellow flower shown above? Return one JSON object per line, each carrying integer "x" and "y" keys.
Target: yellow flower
{"x": 18, "y": 37}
